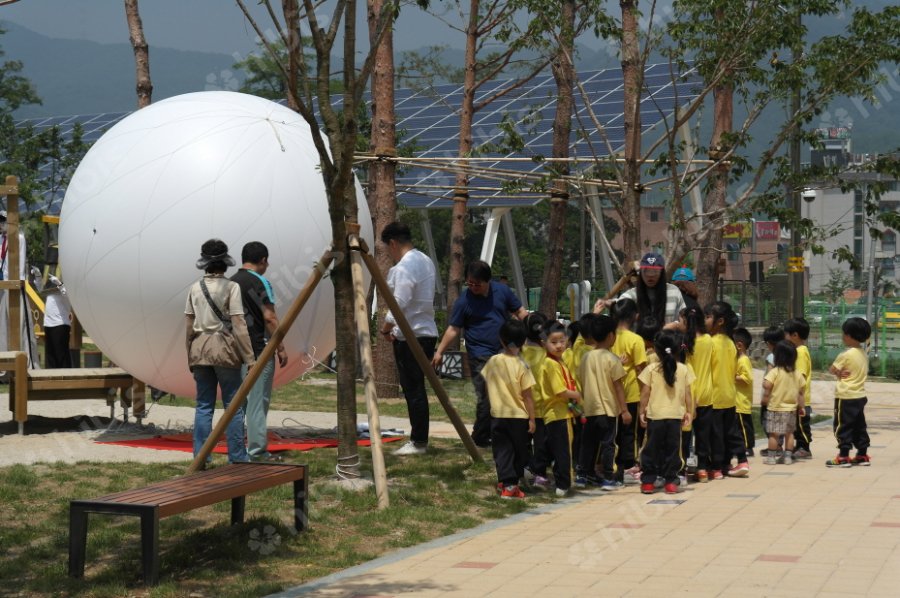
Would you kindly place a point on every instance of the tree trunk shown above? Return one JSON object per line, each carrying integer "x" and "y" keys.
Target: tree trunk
{"x": 295, "y": 51}
{"x": 144, "y": 86}
{"x": 382, "y": 188}
{"x": 564, "y": 75}
{"x": 707, "y": 261}
{"x": 461, "y": 194}
{"x": 633, "y": 81}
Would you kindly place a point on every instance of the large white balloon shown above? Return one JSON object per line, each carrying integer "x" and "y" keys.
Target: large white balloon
{"x": 163, "y": 181}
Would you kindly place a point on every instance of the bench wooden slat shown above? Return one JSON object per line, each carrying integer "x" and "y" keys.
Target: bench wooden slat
{"x": 179, "y": 495}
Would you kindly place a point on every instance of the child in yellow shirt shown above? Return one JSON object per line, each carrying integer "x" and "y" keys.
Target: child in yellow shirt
{"x": 665, "y": 408}
{"x": 724, "y": 438}
{"x": 509, "y": 382}
{"x": 743, "y": 384}
{"x": 630, "y": 349}
{"x": 557, "y": 389}
{"x": 851, "y": 367}
{"x": 699, "y": 347}
{"x": 603, "y": 392}
{"x": 783, "y": 397}
{"x": 534, "y": 355}
{"x": 796, "y": 330}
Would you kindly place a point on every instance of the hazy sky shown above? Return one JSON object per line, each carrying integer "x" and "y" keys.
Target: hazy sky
{"x": 204, "y": 25}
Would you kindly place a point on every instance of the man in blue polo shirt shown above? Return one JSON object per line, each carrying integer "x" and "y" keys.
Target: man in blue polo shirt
{"x": 478, "y": 313}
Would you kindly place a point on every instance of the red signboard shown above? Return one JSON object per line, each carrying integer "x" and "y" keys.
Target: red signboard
{"x": 768, "y": 230}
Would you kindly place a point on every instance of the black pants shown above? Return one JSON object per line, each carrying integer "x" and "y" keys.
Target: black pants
{"x": 412, "y": 381}
{"x": 481, "y": 430}
{"x": 745, "y": 429}
{"x": 803, "y": 431}
{"x": 662, "y": 453}
{"x": 540, "y": 458}
{"x": 629, "y": 440}
{"x": 509, "y": 444}
{"x": 559, "y": 446}
{"x": 56, "y": 347}
{"x": 850, "y": 426}
{"x": 686, "y": 437}
{"x": 598, "y": 444}
{"x": 726, "y": 439}
{"x": 703, "y": 437}
{"x": 763, "y": 409}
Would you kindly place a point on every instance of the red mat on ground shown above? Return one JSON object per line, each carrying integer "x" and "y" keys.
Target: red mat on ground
{"x": 185, "y": 443}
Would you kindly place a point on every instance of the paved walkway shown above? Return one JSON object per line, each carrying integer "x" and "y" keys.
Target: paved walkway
{"x": 794, "y": 530}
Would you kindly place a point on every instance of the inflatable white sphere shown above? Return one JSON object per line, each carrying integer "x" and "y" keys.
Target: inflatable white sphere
{"x": 160, "y": 183}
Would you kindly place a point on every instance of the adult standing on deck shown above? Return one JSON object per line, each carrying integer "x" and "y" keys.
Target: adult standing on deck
{"x": 411, "y": 281}
{"x": 478, "y": 314}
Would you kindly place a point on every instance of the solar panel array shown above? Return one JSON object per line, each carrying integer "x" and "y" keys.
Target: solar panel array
{"x": 429, "y": 121}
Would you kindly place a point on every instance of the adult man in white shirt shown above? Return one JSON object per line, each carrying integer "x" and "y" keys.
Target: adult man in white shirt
{"x": 412, "y": 282}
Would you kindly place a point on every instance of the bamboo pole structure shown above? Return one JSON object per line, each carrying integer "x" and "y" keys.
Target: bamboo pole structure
{"x": 268, "y": 352}
{"x": 364, "y": 345}
{"x": 385, "y": 291}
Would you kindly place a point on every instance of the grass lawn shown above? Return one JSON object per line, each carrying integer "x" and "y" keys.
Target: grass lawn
{"x": 317, "y": 392}
{"x": 202, "y": 555}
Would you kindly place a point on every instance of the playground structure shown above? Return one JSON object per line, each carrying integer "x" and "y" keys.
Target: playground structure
{"x": 34, "y": 384}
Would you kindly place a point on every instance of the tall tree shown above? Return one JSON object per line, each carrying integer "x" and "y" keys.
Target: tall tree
{"x": 382, "y": 188}
{"x": 735, "y": 47}
{"x": 336, "y": 149}
{"x": 486, "y": 21}
{"x": 144, "y": 86}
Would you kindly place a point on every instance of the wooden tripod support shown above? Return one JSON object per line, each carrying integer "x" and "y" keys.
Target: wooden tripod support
{"x": 418, "y": 353}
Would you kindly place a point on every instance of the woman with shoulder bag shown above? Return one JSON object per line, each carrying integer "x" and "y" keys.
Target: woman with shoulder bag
{"x": 217, "y": 345}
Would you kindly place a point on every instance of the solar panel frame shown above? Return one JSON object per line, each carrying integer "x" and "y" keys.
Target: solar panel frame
{"x": 429, "y": 120}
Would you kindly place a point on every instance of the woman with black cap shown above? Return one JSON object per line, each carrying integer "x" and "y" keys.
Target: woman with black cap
{"x": 655, "y": 298}
{"x": 217, "y": 344}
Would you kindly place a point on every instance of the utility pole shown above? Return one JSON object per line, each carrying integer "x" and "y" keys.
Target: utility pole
{"x": 796, "y": 267}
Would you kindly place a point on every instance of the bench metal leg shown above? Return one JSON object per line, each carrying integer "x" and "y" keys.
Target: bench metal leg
{"x": 301, "y": 514}
{"x": 237, "y": 510}
{"x": 150, "y": 545}
{"x": 77, "y": 540}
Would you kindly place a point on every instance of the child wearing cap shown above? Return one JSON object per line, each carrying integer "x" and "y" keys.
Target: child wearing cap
{"x": 684, "y": 279}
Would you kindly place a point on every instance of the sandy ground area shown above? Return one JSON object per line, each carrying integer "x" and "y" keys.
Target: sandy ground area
{"x": 68, "y": 430}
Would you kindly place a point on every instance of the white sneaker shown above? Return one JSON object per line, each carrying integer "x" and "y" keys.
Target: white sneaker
{"x": 560, "y": 493}
{"x": 410, "y": 448}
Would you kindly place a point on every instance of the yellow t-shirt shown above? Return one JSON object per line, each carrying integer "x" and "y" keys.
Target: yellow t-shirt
{"x": 574, "y": 355}
{"x": 651, "y": 359}
{"x": 786, "y": 387}
{"x": 599, "y": 370}
{"x": 629, "y": 347}
{"x": 506, "y": 377}
{"x": 804, "y": 366}
{"x": 856, "y": 362}
{"x": 666, "y": 402}
{"x": 743, "y": 385}
{"x": 555, "y": 379}
{"x": 534, "y": 356}
{"x": 701, "y": 362}
{"x": 723, "y": 367}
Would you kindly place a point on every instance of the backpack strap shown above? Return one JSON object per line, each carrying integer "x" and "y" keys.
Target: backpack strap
{"x": 213, "y": 306}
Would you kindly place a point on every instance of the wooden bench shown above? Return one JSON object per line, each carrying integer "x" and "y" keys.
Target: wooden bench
{"x": 179, "y": 495}
{"x": 68, "y": 383}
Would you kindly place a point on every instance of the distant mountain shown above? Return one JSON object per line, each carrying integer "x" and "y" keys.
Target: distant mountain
{"x": 83, "y": 77}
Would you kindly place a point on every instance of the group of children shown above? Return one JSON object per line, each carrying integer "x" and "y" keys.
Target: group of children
{"x": 615, "y": 399}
